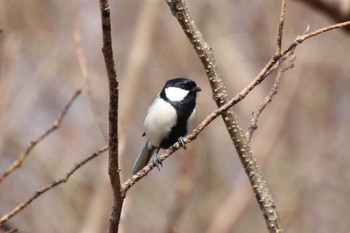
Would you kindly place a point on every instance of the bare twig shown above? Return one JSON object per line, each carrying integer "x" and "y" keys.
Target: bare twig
{"x": 143, "y": 172}
{"x": 321, "y": 30}
{"x": 39, "y": 192}
{"x": 280, "y": 27}
{"x": 240, "y": 96}
{"x": 18, "y": 162}
{"x": 338, "y": 10}
{"x": 113, "y": 164}
{"x": 253, "y": 123}
{"x": 210, "y": 64}
{"x": 273, "y": 63}
{"x": 232, "y": 208}
{"x": 205, "y": 54}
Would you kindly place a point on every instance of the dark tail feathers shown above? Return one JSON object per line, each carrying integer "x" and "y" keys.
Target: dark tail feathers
{"x": 143, "y": 158}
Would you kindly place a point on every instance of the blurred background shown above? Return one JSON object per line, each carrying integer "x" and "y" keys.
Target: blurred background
{"x": 49, "y": 49}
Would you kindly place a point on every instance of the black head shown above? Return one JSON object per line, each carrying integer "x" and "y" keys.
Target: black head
{"x": 179, "y": 89}
{"x": 183, "y": 83}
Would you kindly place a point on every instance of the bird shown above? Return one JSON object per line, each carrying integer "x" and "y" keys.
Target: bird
{"x": 169, "y": 117}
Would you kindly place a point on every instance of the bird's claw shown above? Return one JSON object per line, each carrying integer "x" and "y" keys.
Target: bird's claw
{"x": 157, "y": 162}
{"x": 182, "y": 142}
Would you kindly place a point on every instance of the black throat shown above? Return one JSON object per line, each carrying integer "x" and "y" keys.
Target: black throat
{"x": 184, "y": 109}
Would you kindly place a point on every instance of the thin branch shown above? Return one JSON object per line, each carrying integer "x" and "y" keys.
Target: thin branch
{"x": 322, "y": 30}
{"x": 212, "y": 116}
{"x": 338, "y": 10}
{"x": 238, "y": 200}
{"x": 57, "y": 123}
{"x": 180, "y": 11}
{"x": 277, "y": 58}
{"x": 280, "y": 27}
{"x": 41, "y": 191}
{"x": 113, "y": 164}
{"x": 205, "y": 54}
{"x": 253, "y": 123}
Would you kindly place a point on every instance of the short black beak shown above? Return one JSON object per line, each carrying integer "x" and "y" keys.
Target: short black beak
{"x": 196, "y": 89}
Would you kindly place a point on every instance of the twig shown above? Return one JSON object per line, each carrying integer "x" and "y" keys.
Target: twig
{"x": 239, "y": 198}
{"x": 307, "y": 35}
{"x": 18, "y": 162}
{"x": 277, "y": 58}
{"x": 210, "y": 64}
{"x": 39, "y": 192}
{"x": 113, "y": 166}
{"x": 324, "y": 29}
{"x": 204, "y": 52}
{"x": 212, "y": 116}
{"x": 190, "y": 137}
{"x": 338, "y": 10}
{"x": 280, "y": 27}
{"x": 253, "y": 123}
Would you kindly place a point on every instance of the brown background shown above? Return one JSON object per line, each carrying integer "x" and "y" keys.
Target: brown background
{"x": 302, "y": 141}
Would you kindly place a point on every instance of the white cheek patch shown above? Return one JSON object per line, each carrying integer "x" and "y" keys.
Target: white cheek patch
{"x": 175, "y": 93}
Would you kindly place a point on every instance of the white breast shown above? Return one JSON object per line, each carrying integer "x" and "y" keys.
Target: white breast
{"x": 192, "y": 121}
{"x": 161, "y": 117}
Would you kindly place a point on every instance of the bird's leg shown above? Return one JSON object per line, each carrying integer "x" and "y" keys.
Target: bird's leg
{"x": 156, "y": 160}
{"x": 182, "y": 142}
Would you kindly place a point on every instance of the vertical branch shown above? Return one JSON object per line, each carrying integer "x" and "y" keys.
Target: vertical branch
{"x": 280, "y": 26}
{"x": 113, "y": 166}
{"x": 180, "y": 11}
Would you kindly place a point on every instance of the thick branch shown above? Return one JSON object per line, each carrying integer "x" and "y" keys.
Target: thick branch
{"x": 212, "y": 116}
{"x": 263, "y": 196}
{"x": 113, "y": 166}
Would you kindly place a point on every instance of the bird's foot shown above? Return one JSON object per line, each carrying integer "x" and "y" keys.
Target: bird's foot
{"x": 182, "y": 142}
{"x": 157, "y": 161}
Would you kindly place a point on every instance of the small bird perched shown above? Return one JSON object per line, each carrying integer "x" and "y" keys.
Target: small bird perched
{"x": 168, "y": 118}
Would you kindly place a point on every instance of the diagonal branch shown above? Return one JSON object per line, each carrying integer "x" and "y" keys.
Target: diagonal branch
{"x": 212, "y": 116}
{"x": 280, "y": 27}
{"x": 39, "y": 192}
{"x": 338, "y": 10}
{"x": 18, "y": 162}
{"x": 253, "y": 123}
{"x": 204, "y": 52}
